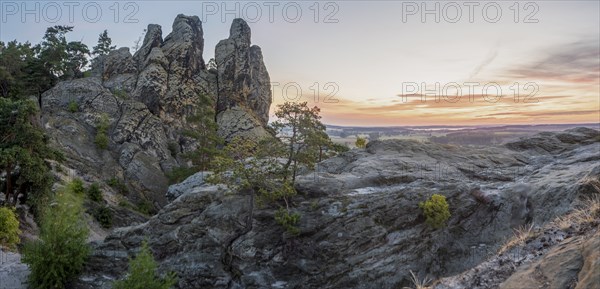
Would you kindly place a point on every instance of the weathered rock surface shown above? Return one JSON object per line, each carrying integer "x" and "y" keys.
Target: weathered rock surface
{"x": 244, "y": 95}
{"x": 149, "y": 99}
{"x": 13, "y": 273}
{"x": 361, "y": 226}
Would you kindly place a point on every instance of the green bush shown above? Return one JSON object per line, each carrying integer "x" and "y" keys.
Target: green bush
{"x": 145, "y": 207}
{"x": 9, "y": 228}
{"x": 76, "y": 187}
{"x": 104, "y": 216}
{"x": 101, "y": 139}
{"x": 118, "y": 185}
{"x": 142, "y": 273}
{"x": 73, "y": 107}
{"x": 436, "y": 211}
{"x": 94, "y": 193}
{"x": 288, "y": 221}
{"x": 360, "y": 142}
{"x": 61, "y": 251}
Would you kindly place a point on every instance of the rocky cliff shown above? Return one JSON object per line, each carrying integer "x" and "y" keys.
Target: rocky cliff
{"x": 149, "y": 99}
{"x": 361, "y": 226}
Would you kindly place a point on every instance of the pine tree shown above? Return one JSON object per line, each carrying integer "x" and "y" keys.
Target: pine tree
{"x": 104, "y": 44}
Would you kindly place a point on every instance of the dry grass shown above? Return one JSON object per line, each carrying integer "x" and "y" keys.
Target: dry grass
{"x": 520, "y": 235}
{"x": 588, "y": 213}
{"x": 419, "y": 284}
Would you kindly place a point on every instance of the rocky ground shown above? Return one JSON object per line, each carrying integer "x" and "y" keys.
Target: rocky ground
{"x": 361, "y": 226}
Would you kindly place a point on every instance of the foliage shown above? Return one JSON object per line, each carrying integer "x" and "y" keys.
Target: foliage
{"x": 254, "y": 167}
{"x": 76, "y": 186}
{"x": 118, "y": 185}
{"x": 63, "y": 59}
{"x": 94, "y": 192}
{"x": 145, "y": 207}
{"x": 101, "y": 139}
{"x": 9, "y": 228}
{"x": 436, "y": 211}
{"x": 61, "y": 251}
{"x": 340, "y": 148}
{"x": 142, "y": 273}
{"x": 120, "y": 93}
{"x": 104, "y": 216}
{"x": 288, "y": 220}
{"x": 73, "y": 107}
{"x": 204, "y": 135}
{"x": 104, "y": 44}
{"x": 23, "y": 153}
{"x": 173, "y": 149}
{"x": 360, "y": 142}
{"x": 301, "y": 130}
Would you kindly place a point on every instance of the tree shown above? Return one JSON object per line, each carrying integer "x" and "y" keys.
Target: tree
{"x": 360, "y": 142}
{"x": 436, "y": 211}
{"x": 104, "y": 44}
{"x": 9, "y": 228}
{"x": 23, "y": 153}
{"x": 63, "y": 59}
{"x": 61, "y": 251}
{"x": 14, "y": 57}
{"x": 142, "y": 273}
{"x": 301, "y": 130}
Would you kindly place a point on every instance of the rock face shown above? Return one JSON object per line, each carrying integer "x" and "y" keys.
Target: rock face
{"x": 361, "y": 226}
{"x": 244, "y": 85}
{"x": 149, "y": 99}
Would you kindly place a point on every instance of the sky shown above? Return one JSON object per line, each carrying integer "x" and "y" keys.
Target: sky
{"x": 381, "y": 63}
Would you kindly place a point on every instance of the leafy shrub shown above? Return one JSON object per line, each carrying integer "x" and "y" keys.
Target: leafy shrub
{"x": 9, "y": 228}
{"x": 76, "y": 187}
{"x": 173, "y": 148}
{"x": 145, "y": 207}
{"x": 104, "y": 216}
{"x": 94, "y": 193}
{"x": 436, "y": 211}
{"x": 61, "y": 251}
{"x": 361, "y": 142}
{"x": 142, "y": 273}
{"x": 288, "y": 221}
{"x": 118, "y": 185}
{"x": 101, "y": 139}
{"x": 73, "y": 107}
{"x": 120, "y": 93}
{"x": 340, "y": 148}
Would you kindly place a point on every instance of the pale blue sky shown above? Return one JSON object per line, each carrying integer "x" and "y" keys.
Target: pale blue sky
{"x": 370, "y": 52}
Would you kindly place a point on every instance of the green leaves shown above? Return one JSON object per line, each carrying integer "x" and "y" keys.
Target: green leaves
{"x": 23, "y": 151}
{"x": 101, "y": 139}
{"x": 436, "y": 211}
{"x": 61, "y": 251}
{"x": 142, "y": 273}
{"x": 104, "y": 44}
{"x": 9, "y": 228}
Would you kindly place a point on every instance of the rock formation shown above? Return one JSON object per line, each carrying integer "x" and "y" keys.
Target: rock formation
{"x": 244, "y": 96}
{"x": 361, "y": 226}
{"x": 149, "y": 98}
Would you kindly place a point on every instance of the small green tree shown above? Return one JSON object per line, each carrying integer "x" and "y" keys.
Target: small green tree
{"x": 94, "y": 192}
{"x": 360, "y": 142}
{"x": 61, "y": 251}
{"x": 76, "y": 186}
{"x": 299, "y": 127}
{"x": 142, "y": 273}
{"x": 436, "y": 211}
{"x": 9, "y": 228}
{"x": 101, "y": 139}
{"x": 104, "y": 44}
